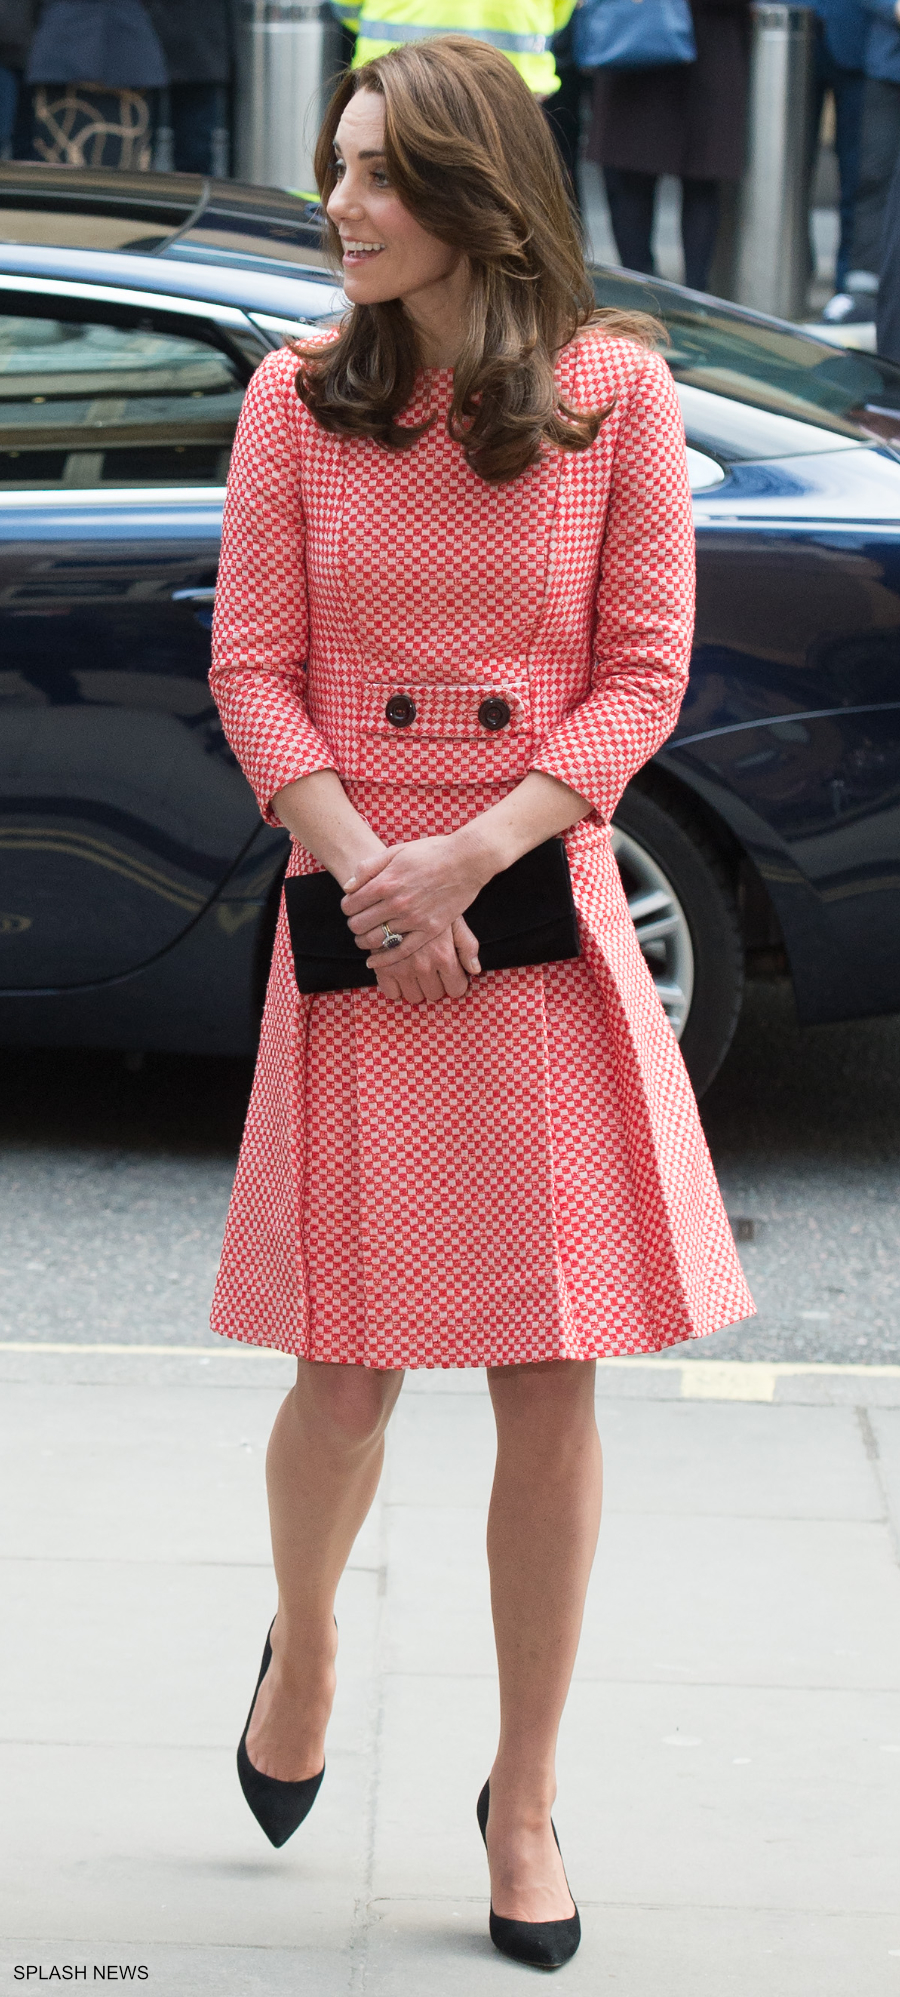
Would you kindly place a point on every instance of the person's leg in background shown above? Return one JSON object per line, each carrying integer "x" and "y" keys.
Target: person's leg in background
{"x": 631, "y": 198}
{"x": 700, "y": 200}
{"x": 200, "y": 135}
{"x": 23, "y": 124}
{"x": 848, "y": 86}
{"x": 10, "y": 80}
{"x": 879, "y": 146}
{"x": 887, "y": 322}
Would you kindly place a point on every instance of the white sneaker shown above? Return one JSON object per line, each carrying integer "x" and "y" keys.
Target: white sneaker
{"x": 856, "y": 305}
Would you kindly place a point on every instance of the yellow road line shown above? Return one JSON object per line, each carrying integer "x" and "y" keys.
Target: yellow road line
{"x": 747, "y": 1379}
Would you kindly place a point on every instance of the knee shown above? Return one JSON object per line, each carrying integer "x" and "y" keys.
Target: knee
{"x": 350, "y": 1405}
{"x": 546, "y": 1402}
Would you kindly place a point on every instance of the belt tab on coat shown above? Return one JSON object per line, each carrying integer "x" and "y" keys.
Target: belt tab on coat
{"x": 394, "y": 729}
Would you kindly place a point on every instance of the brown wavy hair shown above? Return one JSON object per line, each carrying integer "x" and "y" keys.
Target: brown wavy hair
{"x": 470, "y": 155}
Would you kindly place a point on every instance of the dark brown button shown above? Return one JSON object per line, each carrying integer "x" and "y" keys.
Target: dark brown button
{"x": 494, "y": 713}
{"x": 400, "y": 710}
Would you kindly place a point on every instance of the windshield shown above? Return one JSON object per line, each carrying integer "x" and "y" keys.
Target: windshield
{"x": 716, "y": 347}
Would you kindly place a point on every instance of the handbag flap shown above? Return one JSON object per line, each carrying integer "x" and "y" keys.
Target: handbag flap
{"x": 317, "y": 923}
{"x": 530, "y": 895}
{"x": 528, "y": 906}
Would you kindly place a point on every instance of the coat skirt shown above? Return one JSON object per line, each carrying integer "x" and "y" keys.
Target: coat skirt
{"x": 687, "y": 119}
{"x": 520, "y": 1174}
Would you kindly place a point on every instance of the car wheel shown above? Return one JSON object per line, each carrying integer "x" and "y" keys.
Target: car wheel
{"x": 685, "y": 914}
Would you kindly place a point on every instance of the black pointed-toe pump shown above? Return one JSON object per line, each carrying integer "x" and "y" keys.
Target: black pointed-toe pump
{"x": 539, "y": 1944}
{"x": 279, "y": 1807}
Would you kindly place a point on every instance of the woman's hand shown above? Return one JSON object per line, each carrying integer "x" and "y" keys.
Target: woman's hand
{"x": 441, "y": 969}
{"x": 420, "y": 891}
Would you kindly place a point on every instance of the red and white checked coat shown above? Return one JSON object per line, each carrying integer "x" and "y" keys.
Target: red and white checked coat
{"x": 520, "y": 1174}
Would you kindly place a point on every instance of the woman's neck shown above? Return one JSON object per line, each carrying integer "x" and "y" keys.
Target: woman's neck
{"x": 440, "y": 314}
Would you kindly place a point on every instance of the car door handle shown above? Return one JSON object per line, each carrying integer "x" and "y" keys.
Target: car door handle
{"x": 194, "y": 595}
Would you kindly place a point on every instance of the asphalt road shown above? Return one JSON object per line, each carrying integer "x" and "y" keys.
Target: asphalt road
{"x": 114, "y": 1184}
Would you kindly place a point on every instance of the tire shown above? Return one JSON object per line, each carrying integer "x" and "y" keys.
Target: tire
{"x": 685, "y": 913}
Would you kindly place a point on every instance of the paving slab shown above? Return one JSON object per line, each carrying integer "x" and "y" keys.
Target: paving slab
{"x": 737, "y": 1459}
{"x": 750, "y": 1601}
{"x": 650, "y": 1950}
{"x": 173, "y": 1665}
{"x": 141, "y": 1470}
{"x": 730, "y": 1760}
{"x": 157, "y": 1844}
{"x": 690, "y": 1793}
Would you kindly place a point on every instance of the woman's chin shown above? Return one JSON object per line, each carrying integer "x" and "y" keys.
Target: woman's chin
{"x": 363, "y": 287}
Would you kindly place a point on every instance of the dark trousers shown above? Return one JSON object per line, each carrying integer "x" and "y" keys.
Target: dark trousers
{"x": 887, "y": 318}
{"x": 632, "y": 198}
{"x": 196, "y": 115}
{"x": 846, "y": 86}
{"x": 878, "y": 153}
{"x": 9, "y": 99}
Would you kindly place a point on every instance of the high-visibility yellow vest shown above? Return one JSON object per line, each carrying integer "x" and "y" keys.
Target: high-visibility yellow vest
{"x": 523, "y": 29}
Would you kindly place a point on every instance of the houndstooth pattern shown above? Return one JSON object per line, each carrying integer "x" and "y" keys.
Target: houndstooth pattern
{"x": 519, "y": 1175}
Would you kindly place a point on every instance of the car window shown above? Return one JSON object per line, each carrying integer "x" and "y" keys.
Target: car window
{"x": 245, "y": 249}
{"x": 754, "y": 362}
{"x": 68, "y": 206}
{"x": 71, "y": 228}
{"x": 262, "y": 228}
{"x": 231, "y": 228}
{"x": 88, "y": 402}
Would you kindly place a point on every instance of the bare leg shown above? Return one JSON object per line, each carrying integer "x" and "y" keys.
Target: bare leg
{"x": 542, "y": 1534}
{"x": 323, "y": 1466}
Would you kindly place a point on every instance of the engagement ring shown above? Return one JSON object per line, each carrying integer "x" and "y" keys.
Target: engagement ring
{"x": 391, "y": 938}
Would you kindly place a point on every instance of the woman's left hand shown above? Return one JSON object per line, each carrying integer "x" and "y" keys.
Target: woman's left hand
{"x": 418, "y": 890}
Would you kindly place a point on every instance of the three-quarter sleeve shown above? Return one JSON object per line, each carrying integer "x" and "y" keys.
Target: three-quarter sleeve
{"x": 645, "y": 604}
{"x": 260, "y": 628}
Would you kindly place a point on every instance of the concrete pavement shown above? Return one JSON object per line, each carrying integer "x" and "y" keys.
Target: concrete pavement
{"x": 730, "y": 1767}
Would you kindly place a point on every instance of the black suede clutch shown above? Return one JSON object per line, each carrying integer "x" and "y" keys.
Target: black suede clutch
{"x": 525, "y": 915}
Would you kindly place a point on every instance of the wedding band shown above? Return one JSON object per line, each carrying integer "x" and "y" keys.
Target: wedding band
{"x": 391, "y": 939}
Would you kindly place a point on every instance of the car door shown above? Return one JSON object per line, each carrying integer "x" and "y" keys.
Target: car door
{"x": 121, "y": 808}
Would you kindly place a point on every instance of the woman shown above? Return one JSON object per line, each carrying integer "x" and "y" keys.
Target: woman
{"x": 453, "y": 618}
{"x": 688, "y": 119}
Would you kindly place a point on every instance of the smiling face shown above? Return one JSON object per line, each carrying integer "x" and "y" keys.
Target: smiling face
{"x": 386, "y": 252}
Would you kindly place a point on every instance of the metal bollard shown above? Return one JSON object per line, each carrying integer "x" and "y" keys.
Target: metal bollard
{"x": 772, "y": 251}
{"x": 288, "y": 59}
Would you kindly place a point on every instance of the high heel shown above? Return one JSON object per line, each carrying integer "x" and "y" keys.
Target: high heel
{"x": 279, "y": 1807}
{"x": 540, "y": 1944}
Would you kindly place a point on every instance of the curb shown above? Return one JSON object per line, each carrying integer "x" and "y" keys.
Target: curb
{"x": 647, "y": 1377}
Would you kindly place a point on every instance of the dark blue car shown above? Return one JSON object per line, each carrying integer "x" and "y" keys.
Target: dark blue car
{"x": 138, "y": 887}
